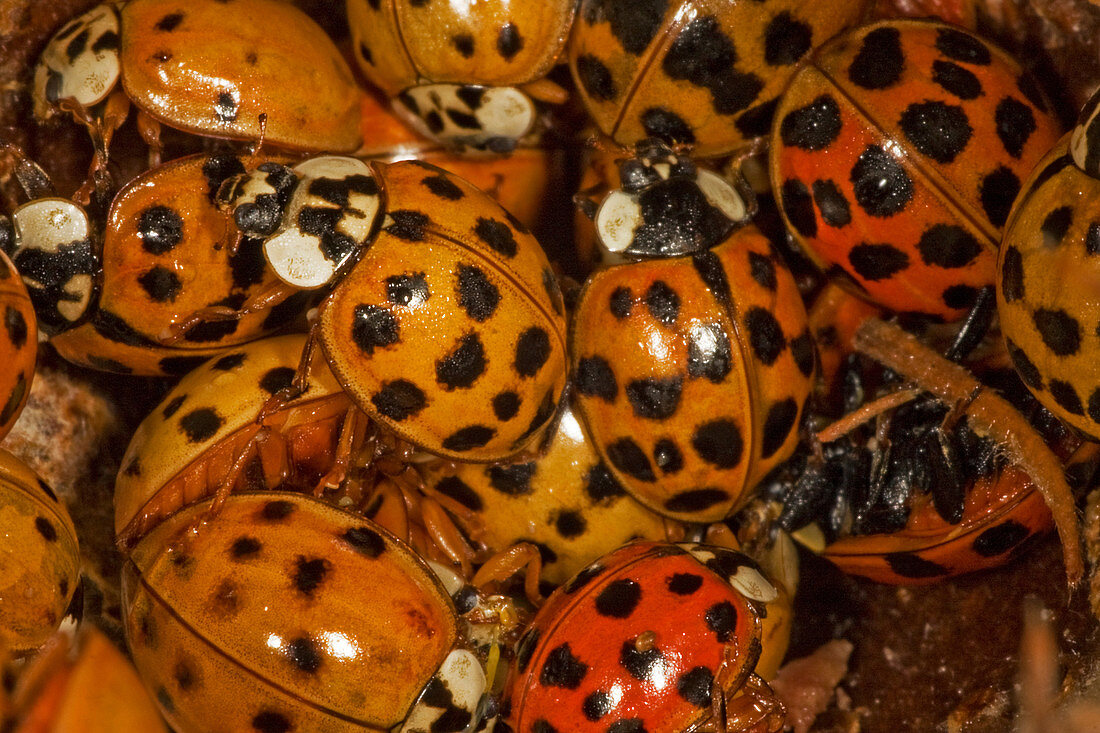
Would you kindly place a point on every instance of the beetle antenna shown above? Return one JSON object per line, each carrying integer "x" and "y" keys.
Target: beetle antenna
{"x": 254, "y": 151}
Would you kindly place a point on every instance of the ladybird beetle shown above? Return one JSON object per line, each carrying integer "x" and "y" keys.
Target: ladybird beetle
{"x": 700, "y": 73}
{"x": 445, "y": 322}
{"x": 84, "y": 684}
{"x": 39, "y": 557}
{"x": 690, "y": 371}
{"x": 18, "y": 340}
{"x": 272, "y": 620}
{"x": 106, "y": 293}
{"x": 565, "y": 501}
{"x": 1048, "y": 279}
{"x": 186, "y": 448}
{"x": 461, "y": 71}
{"x": 897, "y": 151}
{"x": 206, "y": 67}
{"x": 605, "y": 653}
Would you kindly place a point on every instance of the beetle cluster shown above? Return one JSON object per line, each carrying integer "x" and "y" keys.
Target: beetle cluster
{"x": 351, "y": 525}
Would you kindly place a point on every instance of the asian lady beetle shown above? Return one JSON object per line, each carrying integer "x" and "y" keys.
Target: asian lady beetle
{"x": 606, "y": 653}
{"x": 272, "y": 620}
{"x": 206, "y": 67}
{"x": 897, "y": 151}
{"x": 1048, "y": 278}
{"x": 461, "y": 72}
{"x": 188, "y": 446}
{"x": 691, "y": 366}
{"x": 445, "y": 323}
{"x": 107, "y": 289}
{"x": 18, "y": 340}
{"x": 39, "y": 557}
{"x": 703, "y": 74}
{"x": 565, "y": 501}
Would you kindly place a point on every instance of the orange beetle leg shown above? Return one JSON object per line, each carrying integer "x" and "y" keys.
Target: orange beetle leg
{"x": 445, "y": 535}
{"x": 352, "y": 435}
{"x": 387, "y": 508}
{"x": 867, "y": 412}
{"x": 150, "y": 133}
{"x": 544, "y": 90}
{"x": 505, "y": 564}
{"x": 266, "y": 299}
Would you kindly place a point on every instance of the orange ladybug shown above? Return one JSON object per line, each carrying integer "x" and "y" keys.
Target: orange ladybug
{"x": 18, "y": 338}
{"x": 444, "y": 320}
{"x": 697, "y": 72}
{"x": 203, "y": 66}
{"x": 462, "y": 72}
{"x": 692, "y": 364}
{"x": 108, "y": 290}
{"x": 897, "y": 151}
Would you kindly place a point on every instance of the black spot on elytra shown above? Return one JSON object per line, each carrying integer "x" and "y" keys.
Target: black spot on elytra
{"x": 684, "y": 584}
{"x": 667, "y": 456}
{"x": 655, "y": 398}
{"x": 532, "y": 351}
{"x": 309, "y": 574}
{"x": 709, "y": 352}
{"x": 226, "y": 107}
{"x": 505, "y": 405}
{"x": 831, "y": 202}
{"x": 16, "y": 326}
{"x": 460, "y": 491}
{"x": 641, "y": 664}
{"x": 999, "y": 539}
{"x": 757, "y": 121}
{"x": 276, "y": 510}
{"x": 719, "y": 443}
{"x": 160, "y": 284}
{"x": 410, "y": 289}
{"x": 877, "y": 261}
{"x": 509, "y": 41}
{"x": 799, "y": 207}
{"x": 1012, "y": 275}
{"x": 998, "y": 190}
{"x": 762, "y": 269}
{"x": 626, "y": 456}
{"x": 443, "y": 187}
{"x": 407, "y": 225}
{"x": 570, "y": 524}
{"x": 704, "y": 55}
{"x": 956, "y": 80}
{"x": 765, "y": 335}
{"x": 398, "y": 400}
{"x": 463, "y": 365}
{"x": 464, "y": 44}
{"x": 477, "y": 295}
{"x": 621, "y": 302}
{"x": 185, "y": 675}
{"x": 960, "y": 296}
{"x": 595, "y": 77}
{"x": 786, "y": 40}
{"x": 270, "y": 721}
{"x": 1024, "y": 366}
{"x": 665, "y": 124}
{"x": 244, "y": 547}
{"x": 229, "y": 362}
{"x": 600, "y": 484}
{"x": 468, "y": 438}
{"x": 662, "y": 302}
{"x": 696, "y": 500}
{"x": 962, "y": 47}
{"x": 169, "y": 22}
{"x": 619, "y": 598}
{"x": 1015, "y": 123}
{"x": 1055, "y": 226}
{"x": 525, "y": 649}
{"x": 1066, "y": 396}
{"x": 695, "y": 686}
{"x": 634, "y": 23}
{"x": 1092, "y": 239}
{"x": 721, "y": 618}
{"x": 882, "y": 187}
{"x": 1094, "y": 405}
{"x": 514, "y": 479}
{"x": 596, "y": 705}
{"x": 173, "y": 406}
{"x": 373, "y": 327}
{"x": 160, "y": 229}
{"x": 46, "y": 529}
{"x": 948, "y": 245}
{"x": 911, "y": 565}
{"x": 778, "y": 425}
{"x": 940, "y": 131}
{"x": 562, "y": 669}
{"x": 583, "y": 578}
{"x": 365, "y": 541}
{"x": 880, "y": 60}
{"x": 1060, "y": 331}
{"x": 595, "y": 378}
{"x": 277, "y": 379}
{"x": 497, "y": 235}
{"x": 201, "y": 425}
{"x": 813, "y": 127}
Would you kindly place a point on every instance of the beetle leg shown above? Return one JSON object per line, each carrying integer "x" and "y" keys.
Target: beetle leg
{"x": 352, "y": 434}
{"x": 544, "y": 90}
{"x": 446, "y": 536}
{"x": 503, "y": 565}
{"x": 265, "y": 300}
{"x": 150, "y": 133}
{"x": 387, "y": 508}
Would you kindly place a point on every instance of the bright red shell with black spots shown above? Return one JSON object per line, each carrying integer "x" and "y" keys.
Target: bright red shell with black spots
{"x": 698, "y": 72}
{"x": 449, "y": 329}
{"x": 691, "y": 373}
{"x": 605, "y": 653}
{"x": 166, "y": 255}
{"x": 18, "y": 345}
{"x": 1048, "y": 282}
{"x": 896, "y": 154}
